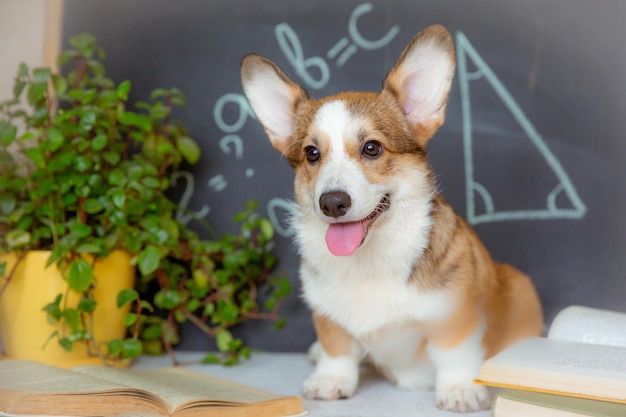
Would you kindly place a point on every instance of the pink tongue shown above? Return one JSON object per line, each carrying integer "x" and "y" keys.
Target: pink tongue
{"x": 344, "y": 239}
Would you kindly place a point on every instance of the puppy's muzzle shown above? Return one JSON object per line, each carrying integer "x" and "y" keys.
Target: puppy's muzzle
{"x": 335, "y": 203}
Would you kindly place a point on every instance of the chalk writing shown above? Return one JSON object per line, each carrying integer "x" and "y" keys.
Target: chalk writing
{"x": 291, "y": 47}
{"x": 465, "y": 50}
{"x": 184, "y": 215}
{"x": 315, "y": 73}
{"x": 284, "y": 228}
{"x": 358, "y": 39}
{"x": 244, "y": 112}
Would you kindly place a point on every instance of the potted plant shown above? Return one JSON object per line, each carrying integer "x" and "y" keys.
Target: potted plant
{"x": 85, "y": 179}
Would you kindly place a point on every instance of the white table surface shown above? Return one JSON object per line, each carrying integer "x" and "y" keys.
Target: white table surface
{"x": 284, "y": 373}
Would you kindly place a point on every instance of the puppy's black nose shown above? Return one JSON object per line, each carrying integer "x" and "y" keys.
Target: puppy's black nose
{"x": 335, "y": 203}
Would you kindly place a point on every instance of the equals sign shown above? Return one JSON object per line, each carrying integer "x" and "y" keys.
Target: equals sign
{"x": 218, "y": 183}
{"x": 345, "y": 46}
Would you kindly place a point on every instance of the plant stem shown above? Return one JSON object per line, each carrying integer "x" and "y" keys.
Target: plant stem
{"x": 8, "y": 278}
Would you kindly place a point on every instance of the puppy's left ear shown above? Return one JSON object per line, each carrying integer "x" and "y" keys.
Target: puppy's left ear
{"x": 421, "y": 80}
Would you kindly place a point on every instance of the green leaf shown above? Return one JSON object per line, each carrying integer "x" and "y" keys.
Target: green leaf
{"x": 8, "y": 132}
{"x": 188, "y": 148}
{"x": 71, "y": 318}
{"x": 115, "y": 347}
{"x": 81, "y": 230}
{"x": 66, "y": 56}
{"x": 36, "y": 155}
{"x": 36, "y": 92}
{"x": 149, "y": 260}
{"x": 66, "y": 344}
{"x": 211, "y": 358}
{"x": 3, "y": 268}
{"x": 55, "y": 138}
{"x": 131, "y": 348}
{"x": 87, "y": 305}
{"x": 123, "y": 89}
{"x": 111, "y": 157}
{"x": 152, "y": 332}
{"x": 126, "y": 296}
{"x": 7, "y": 203}
{"x": 52, "y": 309}
{"x": 150, "y": 182}
{"x": 223, "y": 339}
{"x": 17, "y": 238}
{"x": 41, "y": 75}
{"x": 280, "y": 323}
{"x": 18, "y": 88}
{"x": 229, "y": 312}
{"x": 118, "y": 196}
{"x": 267, "y": 230}
{"x": 168, "y": 299}
{"x": 79, "y": 275}
{"x": 130, "y": 319}
{"x": 99, "y": 142}
{"x": 83, "y": 43}
{"x": 117, "y": 177}
{"x": 92, "y": 206}
{"x": 200, "y": 278}
{"x": 135, "y": 208}
{"x": 141, "y": 121}
{"x": 59, "y": 83}
{"x": 88, "y": 248}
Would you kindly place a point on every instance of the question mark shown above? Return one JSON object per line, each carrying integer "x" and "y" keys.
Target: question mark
{"x": 237, "y": 145}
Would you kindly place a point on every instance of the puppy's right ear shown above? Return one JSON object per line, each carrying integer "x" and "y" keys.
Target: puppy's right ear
{"x": 273, "y": 97}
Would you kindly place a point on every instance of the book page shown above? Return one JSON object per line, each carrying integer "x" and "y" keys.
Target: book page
{"x": 557, "y": 365}
{"x": 28, "y": 387}
{"x": 589, "y": 325}
{"x": 36, "y": 377}
{"x": 180, "y": 387}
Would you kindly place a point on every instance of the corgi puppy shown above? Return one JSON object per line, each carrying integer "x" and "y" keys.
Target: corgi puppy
{"x": 388, "y": 269}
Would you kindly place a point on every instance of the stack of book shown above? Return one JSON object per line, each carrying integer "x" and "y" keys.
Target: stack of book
{"x": 579, "y": 369}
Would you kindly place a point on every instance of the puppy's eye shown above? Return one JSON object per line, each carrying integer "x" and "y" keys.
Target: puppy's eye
{"x": 372, "y": 149}
{"x": 312, "y": 153}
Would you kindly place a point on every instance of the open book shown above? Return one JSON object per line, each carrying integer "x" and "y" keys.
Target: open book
{"x": 33, "y": 388}
{"x": 584, "y": 355}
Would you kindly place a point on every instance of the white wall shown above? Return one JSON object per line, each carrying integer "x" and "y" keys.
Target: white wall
{"x": 30, "y": 32}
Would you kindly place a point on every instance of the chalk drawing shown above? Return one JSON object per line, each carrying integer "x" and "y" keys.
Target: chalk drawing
{"x": 245, "y": 111}
{"x": 218, "y": 183}
{"x": 287, "y": 229}
{"x": 358, "y": 39}
{"x": 292, "y": 48}
{"x": 465, "y": 51}
{"x": 184, "y": 215}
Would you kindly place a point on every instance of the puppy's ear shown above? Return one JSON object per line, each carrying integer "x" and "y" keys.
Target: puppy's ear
{"x": 273, "y": 97}
{"x": 421, "y": 80}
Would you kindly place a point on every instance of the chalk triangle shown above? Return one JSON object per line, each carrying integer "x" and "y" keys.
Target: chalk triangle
{"x": 536, "y": 197}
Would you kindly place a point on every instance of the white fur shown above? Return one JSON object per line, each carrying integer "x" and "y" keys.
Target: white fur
{"x": 341, "y": 173}
{"x": 426, "y": 77}
{"x": 334, "y": 377}
{"x": 277, "y": 120}
{"x": 456, "y": 369}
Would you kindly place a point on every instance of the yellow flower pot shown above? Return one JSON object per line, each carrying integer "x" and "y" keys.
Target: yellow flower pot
{"x": 24, "y": 327}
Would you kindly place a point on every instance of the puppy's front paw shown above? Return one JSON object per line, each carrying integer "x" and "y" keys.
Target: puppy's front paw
{"x": 463, "y": 398}
{"x": 326, "y": 386}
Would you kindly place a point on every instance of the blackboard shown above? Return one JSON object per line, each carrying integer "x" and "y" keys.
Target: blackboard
{"x": 533, "y": 152}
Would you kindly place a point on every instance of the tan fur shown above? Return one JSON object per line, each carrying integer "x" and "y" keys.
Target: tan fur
{"x": 334, "y": 338}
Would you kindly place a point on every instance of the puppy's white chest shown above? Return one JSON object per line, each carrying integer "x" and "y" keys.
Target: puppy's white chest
{"x": 365, "y": 299}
